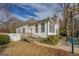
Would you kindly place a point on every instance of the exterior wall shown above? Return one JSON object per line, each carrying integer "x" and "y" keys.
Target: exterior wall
{"x": 21, "y": 29}
{"x": 14, "y": 37}
{"x": 17, "y": 30}
{"x": 45, "y": 34}
{"x": 41, "y": 34}
{"x": 56, "y": 27}
{"x": 26, "y": 29}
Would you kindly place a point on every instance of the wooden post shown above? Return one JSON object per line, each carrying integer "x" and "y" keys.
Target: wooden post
{"x": 72, "y": 34}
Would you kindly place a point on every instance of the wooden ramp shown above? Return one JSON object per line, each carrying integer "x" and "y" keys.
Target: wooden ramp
{"x": 29, "y": 37}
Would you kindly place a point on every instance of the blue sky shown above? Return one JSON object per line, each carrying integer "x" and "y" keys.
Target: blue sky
{"x": 38, "y": 11}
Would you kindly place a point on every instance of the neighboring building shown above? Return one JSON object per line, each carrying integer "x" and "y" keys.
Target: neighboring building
{"x": 42, "y": 28}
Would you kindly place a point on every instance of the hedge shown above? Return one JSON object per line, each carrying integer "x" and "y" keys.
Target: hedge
{"x": 4, "y": 39}
{"x": 63, "y": 33}
{"x": 53, "y": 39}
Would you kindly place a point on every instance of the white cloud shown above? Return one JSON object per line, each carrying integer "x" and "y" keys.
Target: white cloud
{"x": 43, "y": 15}
{"x": 22, "y": 7}
{"x": 40, "y": 6}
{"x": 45, "y": 10}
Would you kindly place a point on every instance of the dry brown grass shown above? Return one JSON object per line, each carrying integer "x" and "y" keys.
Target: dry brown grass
{"x": 23, "y": 48}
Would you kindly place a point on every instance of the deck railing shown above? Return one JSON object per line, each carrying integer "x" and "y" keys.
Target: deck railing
{"x": 30, "y": 36}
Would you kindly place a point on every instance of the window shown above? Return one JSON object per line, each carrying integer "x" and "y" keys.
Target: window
{"x": 43, "y": 27}
{"x": 36, "y": 28}
{"x": 23, "y": 30}
{"x": 51, "y": 28}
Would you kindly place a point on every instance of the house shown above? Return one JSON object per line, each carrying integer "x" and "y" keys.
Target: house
{"x": 42, "y": 28}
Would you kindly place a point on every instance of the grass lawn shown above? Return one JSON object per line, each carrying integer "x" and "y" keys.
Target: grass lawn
{"x": 23, "y": 48}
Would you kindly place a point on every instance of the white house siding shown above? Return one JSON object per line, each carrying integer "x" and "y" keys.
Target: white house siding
{"x": 17, "y": 30}
{"x": 56, "y": 27}
{"x": 26, "y": 28}
{"x": 21, "y": 29}
{"x": 41, "y": 34}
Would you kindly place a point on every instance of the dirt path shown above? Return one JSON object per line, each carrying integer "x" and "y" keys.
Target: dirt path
{"x": 23, "y": 48}
{"x": 59, "y": 46}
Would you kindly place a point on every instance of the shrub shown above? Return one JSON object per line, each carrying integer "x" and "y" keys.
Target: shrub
{"x": 53, "y": 39}
{"x": 4, "y": 39}
{"x": 63, "y": 33}
{"x": 44, "y": 40}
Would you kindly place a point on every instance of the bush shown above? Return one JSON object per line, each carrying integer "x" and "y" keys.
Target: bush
{"x": 63, "y": 33}
{"x": 4, "y": 39}
{"x": 44, "y": 40}
{"x": 53, "y": 39}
